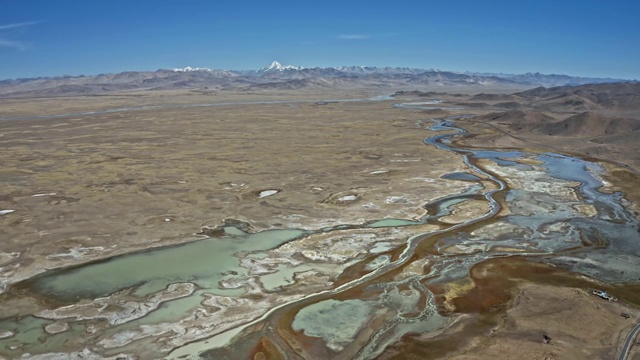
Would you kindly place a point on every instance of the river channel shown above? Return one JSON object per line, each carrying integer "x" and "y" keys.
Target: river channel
{"x": 348, "y": 291}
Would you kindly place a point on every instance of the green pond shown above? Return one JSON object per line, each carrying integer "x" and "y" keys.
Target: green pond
{"x": 204, "y": 262}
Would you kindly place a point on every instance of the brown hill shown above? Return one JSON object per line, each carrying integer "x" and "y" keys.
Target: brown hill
{"x": 422, "y": 93}
{"x": 624, "y": 139}
{"x": 284, "y": 85}
{"x": 496, "y": 97}
{"x": 437, "y": 112}
{"x": 612, "y": 96}
{"x": 513, "y": 105}
{"x": 518, "y": 120}
{"x": 591, "y": 124}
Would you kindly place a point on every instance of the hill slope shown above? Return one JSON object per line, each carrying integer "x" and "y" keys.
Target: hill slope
{"x": 611, "y": 96}
{"x": 518, "y": 120}
{"x": 590, "y": 124}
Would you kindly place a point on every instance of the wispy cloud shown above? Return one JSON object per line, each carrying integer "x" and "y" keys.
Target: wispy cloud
{"x": 9, "y": 31}
{"x": 18, "y": 25}
{"x": 353, "y": 36}
{"x": 12, "y": 44}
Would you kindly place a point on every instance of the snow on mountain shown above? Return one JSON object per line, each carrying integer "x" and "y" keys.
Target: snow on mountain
{"x": 363, "y": 70}
{"x": 189, "y": 69}
{"x": 276, "y": 76}
{"x": 276, "y": 66}
{"x": 548, "y": 80}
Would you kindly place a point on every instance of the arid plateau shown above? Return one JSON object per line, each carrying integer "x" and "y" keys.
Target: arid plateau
{"x": 312, "y": 219}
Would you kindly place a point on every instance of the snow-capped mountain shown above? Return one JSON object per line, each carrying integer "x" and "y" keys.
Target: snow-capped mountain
{"x": 189, "y": 69}
{"x": 276, "y": 66}
{"x": 276, "y": 76}
{"x": 549, "y": 80}
{"x": 202, "y": 72}
{"x": 363, "y": 70}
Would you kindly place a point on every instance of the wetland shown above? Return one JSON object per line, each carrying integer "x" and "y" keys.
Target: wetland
{"x": 298, "y": 230}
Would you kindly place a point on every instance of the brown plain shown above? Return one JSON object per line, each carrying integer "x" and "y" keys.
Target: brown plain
{"x": 125, "y": 181}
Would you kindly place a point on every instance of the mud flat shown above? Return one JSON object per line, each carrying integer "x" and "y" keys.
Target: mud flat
{"x": 256, "y": 231}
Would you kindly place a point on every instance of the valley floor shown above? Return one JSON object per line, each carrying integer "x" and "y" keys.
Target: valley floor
{"x": 81, "y": 187}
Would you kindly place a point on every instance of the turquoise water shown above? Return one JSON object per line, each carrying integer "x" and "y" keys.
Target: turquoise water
{"x": 204, "y": 262}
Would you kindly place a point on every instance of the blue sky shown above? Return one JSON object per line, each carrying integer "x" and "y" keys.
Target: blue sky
{"x": 576, "y": 37}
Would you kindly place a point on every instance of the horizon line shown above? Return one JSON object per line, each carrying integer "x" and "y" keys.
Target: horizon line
{"x": 207, "y": 69}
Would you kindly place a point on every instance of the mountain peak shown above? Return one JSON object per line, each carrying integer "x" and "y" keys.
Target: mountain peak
{"x": 276, "y": 66}
{"x": 189, "y": 69}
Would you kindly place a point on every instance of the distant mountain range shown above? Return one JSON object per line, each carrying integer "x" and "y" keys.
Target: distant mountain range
{"x": 276, "y": 76}
{"x": 551, "y": 79}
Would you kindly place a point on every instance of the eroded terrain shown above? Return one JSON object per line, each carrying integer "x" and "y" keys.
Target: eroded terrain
{"x": 308, "y": 229}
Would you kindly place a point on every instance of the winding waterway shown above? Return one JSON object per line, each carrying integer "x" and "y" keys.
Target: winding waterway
{"x": 236, "y": 290}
